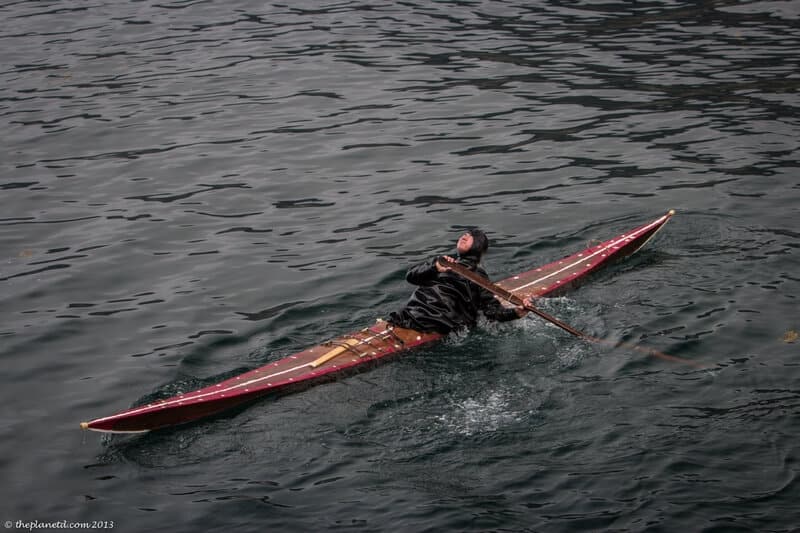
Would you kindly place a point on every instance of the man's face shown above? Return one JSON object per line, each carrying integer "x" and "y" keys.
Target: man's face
{"x": 464, "y": 243}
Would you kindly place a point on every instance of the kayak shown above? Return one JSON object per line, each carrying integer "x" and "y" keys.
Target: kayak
{"x": 361, "y": 348}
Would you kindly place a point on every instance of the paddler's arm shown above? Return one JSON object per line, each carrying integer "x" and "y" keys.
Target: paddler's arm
{"x": 494, "y": 310}
{"x": 491, "y": 306}
{"x": 424, "y": 273}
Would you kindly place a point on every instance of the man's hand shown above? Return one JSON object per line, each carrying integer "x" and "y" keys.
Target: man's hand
{"x": 441, "y": 263}
{"x": 521, "y": 309}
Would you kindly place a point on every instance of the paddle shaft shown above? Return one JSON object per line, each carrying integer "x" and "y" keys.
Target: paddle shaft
{"x": 516, "y": 300}
{"x": 509, "y": 296}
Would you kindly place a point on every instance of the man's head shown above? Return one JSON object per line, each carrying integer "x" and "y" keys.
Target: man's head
{"x": 473, "y": 243}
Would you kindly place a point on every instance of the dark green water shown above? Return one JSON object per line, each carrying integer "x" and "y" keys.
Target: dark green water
{"x": 190, "y": 189}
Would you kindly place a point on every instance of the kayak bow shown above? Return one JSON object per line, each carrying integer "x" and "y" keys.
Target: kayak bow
{"x": 362, "y": 347}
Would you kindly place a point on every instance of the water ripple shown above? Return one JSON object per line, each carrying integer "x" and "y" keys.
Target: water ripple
{"x": 190, "y": 187}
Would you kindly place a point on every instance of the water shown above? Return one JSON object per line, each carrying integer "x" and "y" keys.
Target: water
{"x": 190, "y": 189}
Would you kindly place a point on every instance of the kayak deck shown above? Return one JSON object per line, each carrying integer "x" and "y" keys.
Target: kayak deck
{"x": 356, "y": 349}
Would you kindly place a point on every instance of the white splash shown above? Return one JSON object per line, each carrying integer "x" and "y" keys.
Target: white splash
{"x": 485, "y": 414}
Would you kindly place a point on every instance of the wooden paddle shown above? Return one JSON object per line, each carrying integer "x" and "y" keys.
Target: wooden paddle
{"x": 516, "y": 300}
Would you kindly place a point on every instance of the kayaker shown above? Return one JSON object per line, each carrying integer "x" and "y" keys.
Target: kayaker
{"x": 444, "y": 301}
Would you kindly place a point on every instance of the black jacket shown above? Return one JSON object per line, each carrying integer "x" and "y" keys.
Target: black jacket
{"x": 444, "y": 302}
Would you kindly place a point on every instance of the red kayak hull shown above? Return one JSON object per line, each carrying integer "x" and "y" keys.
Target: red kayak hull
{"x": 360, "y": 348}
